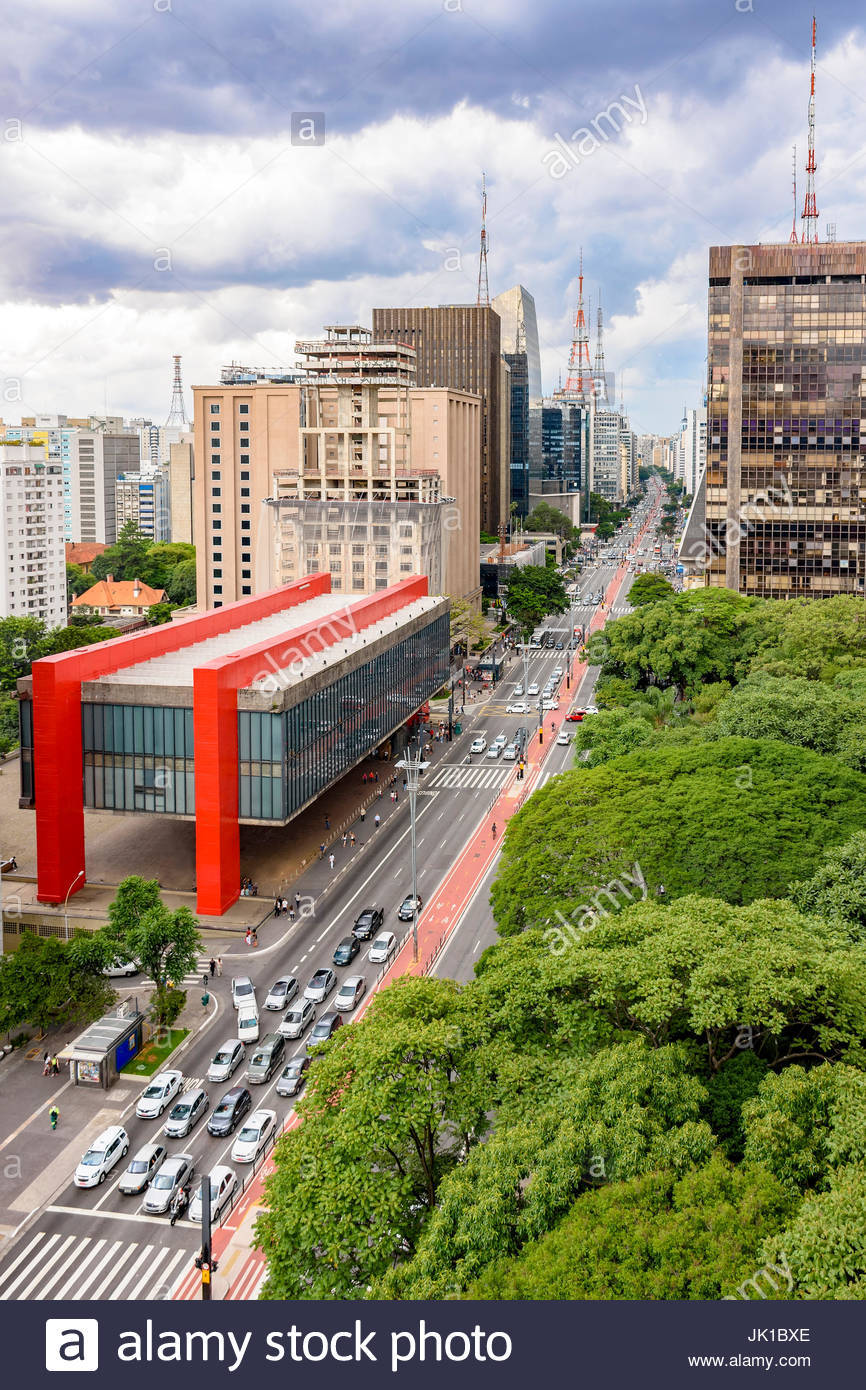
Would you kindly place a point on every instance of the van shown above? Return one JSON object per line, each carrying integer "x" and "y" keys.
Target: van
{"x": 248, "y": 1023}
{"x": 266, "y": 1057}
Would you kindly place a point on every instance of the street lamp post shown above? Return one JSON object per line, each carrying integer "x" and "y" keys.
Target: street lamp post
{"x": 413, "y": 769}
{"x": 79, "y": 875}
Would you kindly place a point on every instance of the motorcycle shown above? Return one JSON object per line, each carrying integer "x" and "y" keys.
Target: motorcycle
{"x": 179, "y": 1204}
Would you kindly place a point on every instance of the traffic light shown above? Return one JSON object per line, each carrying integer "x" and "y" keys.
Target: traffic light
{"x": 205, "y": 999}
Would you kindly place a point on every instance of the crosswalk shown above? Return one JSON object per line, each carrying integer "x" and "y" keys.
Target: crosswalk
{"x": 69, "y": 1266}
{"x": 461, "y": 775}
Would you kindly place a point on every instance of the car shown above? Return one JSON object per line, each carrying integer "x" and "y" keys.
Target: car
{"x": 108, "y": 1148}
{"x": 368, "y": 922}
{"x": 533, "y": 688}
{"x": 478, "y": 745}
{"x": 248, "y": 1023}
{"x": 155, "y": 1097}
{"x": 293, "y": 1075}
{"x": 383, "y": 948}
{"x": 243, "y": 990}
{"x": 346, "y": 951}
{"x": 349, "y": 993}
{"x": 501, "y": 740}
{"x": 535, "y": 642}
{"x": 521, "y": 738}
{"x": 185, "y": 1114}
{"x": 255, "y": 1136}
{"x": 119, "y": 969}
{"x": 517, "y": 691}
{"x": 518, "y": 707}
{"x": 228, "y": 1114}
{"x": 320, "y": 986}
{"x": 281, "y": 992}
{"x": 494, "y": 751}
{"x": 223, "y": 1186}
{"x": 297, "y": 1019}
{"x": 559, "y": 646}
{"x": 174, "y": 1174}
{"x": 591, "y": 709}
{"x": 324, "y": 1030}
{"x": 563, "y": 737}
{"x": 142, "y": 1168}
{"x": 266, "y": 1056}
{"x": 408, "y": 908}
{"x": 509, "y": 753}
{"x": 548, "y": 704}
{"x": 557, "y": 673}
{"x": 226, "y": 1060}
{"x": 575, "y": 716}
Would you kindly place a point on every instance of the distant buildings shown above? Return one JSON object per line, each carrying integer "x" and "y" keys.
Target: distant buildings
{"x": 32, "y": 553}
{"x": 92, "y": 461}
{"x": 143, "y": 498}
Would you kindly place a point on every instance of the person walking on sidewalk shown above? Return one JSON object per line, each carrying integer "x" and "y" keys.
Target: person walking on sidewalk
{"x": 291, "y": 914}
{"x": 54, "y": 1116}
{"x": 345, "y": 838}
{"x": 327, "y": 822}
{"x": 352, "y": 840}
{"x": 46, "y": 1065}
{"x": 55, "y": 1066}
{"x": 331, "y": 860}
{"x": 297, "y": 902}
{"x": 212, "y": 967}
{"x": 363, "y": 814}
{"x": 322, "y": 850}
{"x": 219, "y": 965}
{"x": 377, "y": 820}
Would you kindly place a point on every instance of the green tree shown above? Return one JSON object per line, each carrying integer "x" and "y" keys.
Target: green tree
{"x": 389, "y": 1110}
{"x": 815, "y": 638}
{"x": 837, "y": 889}
{"x": 8, "y": 723}
{"x": 46, "y": 983}
{"x": 468, "y": 626}
{"x": 125, "y": 559}
{"x": 759, "y": 815}
{"x": 533, "y": 593}
{"x": 649, "y": 588}
{"x": 66, "y": 639}
{"x": 825, "y": 1243}
{"x": 161, "y": 560}
{"x": 77, "y": 582}
{"x": 140, "y": 927}
{"x": 789, "y": 708}
{"x": 611, "y": 734}
{"x": 543, "y": 517}
{"x": 158, "y": 613}
{"x": 803, "y": 1125}
{"x": 654, "y": 1237}
{"x": 22, "y": 640}
{"x": 181, "y": 586}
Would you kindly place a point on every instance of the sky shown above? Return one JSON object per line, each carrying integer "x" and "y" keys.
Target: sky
{"x": 219, "y": 180}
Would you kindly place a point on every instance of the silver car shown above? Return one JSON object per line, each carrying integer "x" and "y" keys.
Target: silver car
{"x": 226, "y": 1060}
{"x": 320, "y": 985}
{"x": 186, "y": 1113}
{"x": 175, "y": 1171}
{"x": 349, "y": 993}
{"x": 142, "y": 1168}
{"x": 298, "y": 1018}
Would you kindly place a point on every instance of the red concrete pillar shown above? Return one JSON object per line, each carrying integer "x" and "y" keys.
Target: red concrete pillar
{"x": 57, "y": 760}
{"x": 217, "y": 832}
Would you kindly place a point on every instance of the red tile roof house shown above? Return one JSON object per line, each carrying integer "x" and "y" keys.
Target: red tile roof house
{"x": 83, "y": 553}
{"x": 118, "y": 598}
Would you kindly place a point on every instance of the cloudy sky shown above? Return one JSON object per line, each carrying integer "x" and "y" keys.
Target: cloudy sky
{"x": 158, "y": 196}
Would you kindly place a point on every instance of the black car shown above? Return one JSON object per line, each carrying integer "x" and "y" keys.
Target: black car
{"x": 409, "y": 908}
{"x": 230, "y": 1111}
{"x": 521, "y": 738}
{"x": 368, "y": 923}
{"x": 347, "y": 950}
{"x": 324, "y": 1029}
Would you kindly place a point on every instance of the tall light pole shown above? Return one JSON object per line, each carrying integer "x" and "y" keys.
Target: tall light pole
{"x": 413, "y": 769}
{"x": 79, "y": 875}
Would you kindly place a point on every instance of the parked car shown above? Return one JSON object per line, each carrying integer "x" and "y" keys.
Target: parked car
{"x": 383, "y": 948}
{"x": 142, "y": 1167}
{"x": 575, "y": 716}
{"x": 186, "y": 1113}
{"x": 478, "y": 745}
{"x": 297, "y": 1019}
{"x": 320, "y": 986}
{"x": 243, "y": 990}
{"x": 518, "y": 707}
{"x": 408, "y": 907}
{"x": 293, "y": 1076}
{"x": 346, "y": 951}
{"x": 229, "y": 1112}
{"x": 173, "y": 1175}
{"x": 226, "y": 1060}
{"x": 266, "y": 1057}
{"x": 324, "y": 1029}
{"x": 368, "y": 922}
{"x": 119, "y": 969}
{"x": 253, "y": 1139}
{"x": 281, "y": 992}
{"x": 157, "y": 1095}
{"x": 349, "y": 993}
{"x": 223, "y": 1186}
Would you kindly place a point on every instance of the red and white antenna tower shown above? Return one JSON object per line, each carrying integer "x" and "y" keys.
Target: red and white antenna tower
{"x": 579, "y": 377}
{"x": 794, "y": 238}
{"x": 483, "y": 300}
{"x": 810, "y": 210}
{"x": 177, "y": 414}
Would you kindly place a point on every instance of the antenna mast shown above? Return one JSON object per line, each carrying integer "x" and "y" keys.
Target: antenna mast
{"x": 810, "y": 209}
{"x": 579, "y": 377}
{"x": 177, "y": 415}
{"x": 483, "y": 300}
{"x": 794, "y": 237}
{"x": 600, "y": 381}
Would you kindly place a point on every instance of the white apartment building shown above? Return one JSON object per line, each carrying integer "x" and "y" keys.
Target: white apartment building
{"x": 32, "y": 548}
{"x": 693, "y": 448}
{"x": 606, "y": 470}
{"x": 143, "y": 498}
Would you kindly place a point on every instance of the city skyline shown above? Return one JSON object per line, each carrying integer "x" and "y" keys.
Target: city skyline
{"x": 195, "y": 225}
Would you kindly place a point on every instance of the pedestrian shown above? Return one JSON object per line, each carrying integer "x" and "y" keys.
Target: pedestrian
{"x": 55, "y": 1067}
{"x": 393, "y": 796}
{"x": 364, "y": 778}
{"x": 380, "y": 791}
{"x": 331, "y": 860}
{"x": 345, "y": 838}
{"x": 276, "y": 907}
{"x": 363, "y": 814}
{"x": 46, "y": 1065}
{"x": 212, "y": 967}
{"x": 247, "y": 936}
{"x": 291, "y": 914}
{"x": 219, "y": 965}
{"x": 376, "y": 776}
{"x": 377, "y": 820}
{"x": 54, "y": 1116}
{"x": 327, "y": 822}
{"x": 285, "y": 907}
{"x": 322, "y": 850}
{"x": 297, "y": 902}
{"x": 255, "y": 938}
{"x": 352, "y": 840}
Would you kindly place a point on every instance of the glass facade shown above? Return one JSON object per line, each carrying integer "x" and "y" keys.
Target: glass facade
{"x": 784, "y": 482}
{"x": 561, "y": 428}
{"x": 518, "y": 379}
{"x": 140, "y": 757}
{"x": 25, "y": 739}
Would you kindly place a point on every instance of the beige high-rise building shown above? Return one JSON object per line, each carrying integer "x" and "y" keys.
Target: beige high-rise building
{"x": 181, "y": 474}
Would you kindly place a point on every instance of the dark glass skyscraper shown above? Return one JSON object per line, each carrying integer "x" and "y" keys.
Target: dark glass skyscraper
{"x": 518, "y": 379}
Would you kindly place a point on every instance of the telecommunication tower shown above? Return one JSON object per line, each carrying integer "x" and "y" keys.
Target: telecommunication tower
{"x": 810, "y": 209}
{"x": 579, "y": 379}
{"x": 177, "y": 415}
{"x": 483, "y": 300}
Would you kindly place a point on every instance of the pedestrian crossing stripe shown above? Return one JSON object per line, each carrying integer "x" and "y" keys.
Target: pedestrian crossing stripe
{"x": 76, "y": 1267}
{"x": 460, "y": 775}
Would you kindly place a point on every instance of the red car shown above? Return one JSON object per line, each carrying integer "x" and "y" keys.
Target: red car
{"x": 576, "y": 716}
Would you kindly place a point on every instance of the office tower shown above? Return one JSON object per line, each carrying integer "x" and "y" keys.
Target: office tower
{"x": 143, "y": 499}
{"x": 32, "y": 549}
{"x": 92, "y": 459}
{"x": 518, "y": 391}
{"x": 560, "y": 429}
{"x": 519, "y": 332}
{"x": 785, "y": 500}
{"x": 181, "y": 474}
{"x": 459, "y": 346}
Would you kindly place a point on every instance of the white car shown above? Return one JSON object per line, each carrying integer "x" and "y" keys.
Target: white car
{"x": 517, "y": 691}
{"x": 383, "y": 948}
{"x": 186, "y": 1112}
{"x": 349, "y": 993}
{"x": 254, "y": 1137}
{"x": 281, "y": 993}
{"x": 563, "y": 737}
{"x": 320, "y": 986}
{"x": 121, "y": 968}
{"x": 223, "y": 1186}
{"x": 108, "y": 1148}
{"x": 501, "y": 740}
{"x": 519, "y": 707}
{"x": 533, "y": 689}
{"x": 226, "y": 1061}
{"x": 509, "y": 753}
{"x": 548, "y": 704}
{"x": 478, "y": 745}
{"x": 174, "y": 1173}
{"x": 298, "y": 1018}
{"x": 162, "y": 1089}
{"x": 243, "y": 991}
{"x": 591, "y": 709}
{"x": 494, "y": 751}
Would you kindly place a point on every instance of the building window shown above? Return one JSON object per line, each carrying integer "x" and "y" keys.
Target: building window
{"x": 244, "y": 459}
{"x": 215, "y": 476}
{"x": 245, "y": 574}
{"x": 244, "y": 425}
{"x": 214, "y": 426}
{"x": 243, "y": 410}
{"x": 217, "y": 588}
{"x": 246, "y": 589}
{"x": 215, "y": 460}
{"x": 217, "y": 526}
{"x": 245, "y": 526}
{"x": 245, "y": 506}
{"x": 216, "y": 492}
{"x": 217, "y": 574}
{"x": 214, "y": 410}
{"x": 216, "y": 506}
{"x": 245, "y": 477}
{"x": 245, "y": 492}
{"x": 217, "y": 555}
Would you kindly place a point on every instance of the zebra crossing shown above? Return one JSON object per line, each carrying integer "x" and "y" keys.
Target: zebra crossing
{"x": 478, "y": 776}
{"x": 63, "y": 1266}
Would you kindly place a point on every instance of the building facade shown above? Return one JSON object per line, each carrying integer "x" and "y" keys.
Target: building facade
{"x": 143, "y": 498}
{"x": 32, "y": 548}
{"x": 519, "y": 333}
{"x": 181, "y": 476}
{"x": 92, "y": 460}
{"x": 459, "y": 346}
{"x": 785, "y": 497}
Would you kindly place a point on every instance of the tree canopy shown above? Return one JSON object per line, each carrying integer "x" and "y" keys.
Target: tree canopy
{"x": 649, "y": 588}
{"x": 533, "y": 593}
{"x": 543, "y": 517}
{"x": 52, "y": 984}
